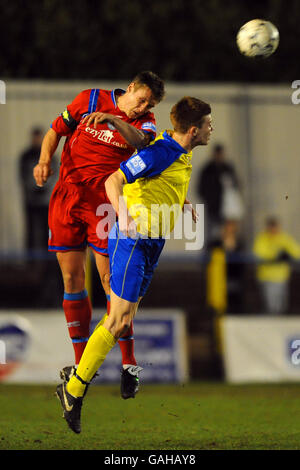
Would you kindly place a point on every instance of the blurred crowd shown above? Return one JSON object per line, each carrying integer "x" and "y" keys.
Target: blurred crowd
{"x": 274, "y": 252}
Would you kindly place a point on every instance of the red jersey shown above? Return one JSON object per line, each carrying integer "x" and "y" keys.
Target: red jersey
{"x": 91, "y": 154}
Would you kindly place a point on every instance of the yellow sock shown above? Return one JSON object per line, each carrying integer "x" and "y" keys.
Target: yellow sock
{"x": 98, "y": 346}
{"x": 101, "y": 321}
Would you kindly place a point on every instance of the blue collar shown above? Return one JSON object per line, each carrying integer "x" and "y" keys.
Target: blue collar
{"x": 174, "y": 143}
{"x": 113, "y": 95}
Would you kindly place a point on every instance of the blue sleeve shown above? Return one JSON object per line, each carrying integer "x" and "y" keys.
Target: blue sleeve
{"x": 150, "y": 161}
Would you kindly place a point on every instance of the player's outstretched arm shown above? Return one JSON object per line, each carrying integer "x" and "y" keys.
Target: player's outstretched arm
{"x": 133, "y": 136}
{"x": 42, "y": 170}
{"x": 114, "y": 190}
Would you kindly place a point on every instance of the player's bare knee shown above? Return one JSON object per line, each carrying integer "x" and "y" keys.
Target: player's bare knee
{"x": 125, "y": 327}
{"x": 122, "y": 325}
{"x": 121, "y": 329}
{"x": 125, "y": 322}
{"x": 73, "y": 282}
{"x": 105, "y": 281}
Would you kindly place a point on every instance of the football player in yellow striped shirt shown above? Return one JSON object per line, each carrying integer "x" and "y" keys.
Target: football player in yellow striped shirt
{"x": 142, "y": 192}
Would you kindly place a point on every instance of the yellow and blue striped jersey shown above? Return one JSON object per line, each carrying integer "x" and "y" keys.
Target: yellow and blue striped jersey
{"x": 157, "y": 180}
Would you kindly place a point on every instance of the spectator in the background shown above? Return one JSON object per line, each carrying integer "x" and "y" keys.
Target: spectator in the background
{"x": 231, "y": 242}
{"x": 218, "y": 188}
{"x": 275, "y": 250}
{"x": 233, "y": 246}
{"x": 35, "y": 199}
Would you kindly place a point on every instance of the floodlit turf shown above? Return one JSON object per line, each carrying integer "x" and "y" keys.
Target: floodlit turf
{"x": 195, "y": 416}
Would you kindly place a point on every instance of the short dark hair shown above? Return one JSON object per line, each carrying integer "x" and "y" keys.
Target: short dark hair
{"x": 218, "y": 148}
{"x": 152, "y": 81}
{"x": 36, "y": 131}
{"x": 188, "y": 112}
{"x": 272, "y": 221}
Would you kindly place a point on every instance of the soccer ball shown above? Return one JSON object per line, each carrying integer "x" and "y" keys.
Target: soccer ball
{"x": 258, "y": 38}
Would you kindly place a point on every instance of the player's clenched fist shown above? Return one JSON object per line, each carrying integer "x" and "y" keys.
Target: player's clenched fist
{"x": 127, "y": 225}
{"x": 41, "y": 173}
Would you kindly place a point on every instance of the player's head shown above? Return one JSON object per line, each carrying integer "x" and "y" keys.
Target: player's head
{"x": 144, "y": 92}
{"x": 152, "y": 81}
{"x": 218, "y": 153}
{"x": 272, "y": 224}
{"x": 36, "y": 135}
{"x": 192, "y": 116}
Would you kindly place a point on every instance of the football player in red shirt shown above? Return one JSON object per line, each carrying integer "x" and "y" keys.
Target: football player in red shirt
{"x": 111, "y": 125}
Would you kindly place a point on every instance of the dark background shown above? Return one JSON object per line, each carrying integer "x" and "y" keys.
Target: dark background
{"x": 111, "y": 39}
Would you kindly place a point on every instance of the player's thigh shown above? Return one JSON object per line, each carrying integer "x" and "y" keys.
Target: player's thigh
{"x": 153, "y": 249}
{"x": 127, "y": 263}
{"x": 67, "y": 230}
{"x": 136, "y": 306}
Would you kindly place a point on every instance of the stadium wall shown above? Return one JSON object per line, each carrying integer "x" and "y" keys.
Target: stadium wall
{"x": 261, "y": 349}
{"x": 254, "y": 349}
{"x": 28, "y": 354}
{"x": 257, "y": 124}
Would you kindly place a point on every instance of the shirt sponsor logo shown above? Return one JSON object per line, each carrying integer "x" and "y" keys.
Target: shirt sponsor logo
{"x": 105, "y": 136}
{"x": 135, "y": 165}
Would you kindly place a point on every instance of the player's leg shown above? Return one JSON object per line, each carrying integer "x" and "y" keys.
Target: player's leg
{"x": 126, "y": 342}
{"x": 130, "y": 375}
{"x": 126, "y": 267}
{"x": 102, "y": 264}
{"x": 67, "y": 238}
{"x": 99, "y": 218}
{"x": 130, "y": 372}
{"x": 128, "y": 259}
{"x": 76, "y": 303}
{"x": 101, "y": 342}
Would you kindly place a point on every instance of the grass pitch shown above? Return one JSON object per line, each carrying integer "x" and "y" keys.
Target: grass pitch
{"x": 191, "y": 417}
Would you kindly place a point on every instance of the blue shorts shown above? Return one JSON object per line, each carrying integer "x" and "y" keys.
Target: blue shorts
{"x": 132, "y": 263}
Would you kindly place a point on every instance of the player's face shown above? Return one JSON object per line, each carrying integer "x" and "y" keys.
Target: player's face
{"x": 138, "y": 101}
{"x": 204, "y": 132}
